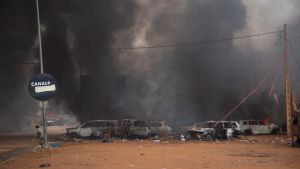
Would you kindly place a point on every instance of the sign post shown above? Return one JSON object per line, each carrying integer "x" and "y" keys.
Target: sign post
{"x": 42, "y": 87}
{"x": 38, "y": 90}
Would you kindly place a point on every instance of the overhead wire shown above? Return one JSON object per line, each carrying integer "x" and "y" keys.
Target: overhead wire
{"x": 260, "y": 84}
{"x": 167, "y": 45}
{"x": 293, "y": 54}
{"x": 186, "y": 43}
{"x": 244, "y": 99}
{"x": 276, "y": 69}
{"x": 158, "y": 46}
{"x": 294, "y": 35}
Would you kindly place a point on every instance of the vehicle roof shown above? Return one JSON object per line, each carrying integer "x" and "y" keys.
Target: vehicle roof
{"x": 98, "y": 120}
{"x": 157, "y": 121}
{"x": 211, "y": 121}
{"x": 251, "y": 120}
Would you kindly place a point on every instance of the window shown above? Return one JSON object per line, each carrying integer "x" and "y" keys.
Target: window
{"x": 206, "y": 125}
{"x": 227, "y": 125}
{"x": 254, "y": 122}
{"x": 211, "y": 124}
{"x": 156, "y": 125}
{"x": 101, "y": 124}
{"x": 111, "y": 124}
{"x": 140, "y": 124}
{"x": 124, "y": 123}
{"x": 219, "y": 126}
{"x": 88, "y": 124}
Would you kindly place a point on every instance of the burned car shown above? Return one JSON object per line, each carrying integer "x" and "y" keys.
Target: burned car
{"x": 227, "y": 129}
{"x": 258, "y": 127}
{"x": 54, "y": 127}
{"x": 139, "y": 129}
{"x": 131, "y": 128}
{"x": 201, "y": 131}
{"x": 160, "y": 129}
{"x": 94, "y": 128}
{"x": 209, "y": 130}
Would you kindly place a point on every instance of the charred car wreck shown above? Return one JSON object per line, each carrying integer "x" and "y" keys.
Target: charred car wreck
{"x": 211, "y": 130}
{"x": 125, "y": 128}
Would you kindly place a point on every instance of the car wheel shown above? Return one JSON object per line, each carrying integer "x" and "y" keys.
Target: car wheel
{"x": 274, "y": 131}
{"x": 73, "y": 135}
{"x": 38, "y": 135}
{"x": 248, "y": 132}
{"x": 208, "y": 137}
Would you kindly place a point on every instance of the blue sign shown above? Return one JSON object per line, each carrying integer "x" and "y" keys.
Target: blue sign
{"x": 42, "y": 86}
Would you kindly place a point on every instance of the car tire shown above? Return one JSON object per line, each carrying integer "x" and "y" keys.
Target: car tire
{"x": 73, "y": 135}
{"x": 274, "y": 131}
{"x": 208, "y": 137}
{"x": 248, "y": 132}
{"x": 38, "y": 135}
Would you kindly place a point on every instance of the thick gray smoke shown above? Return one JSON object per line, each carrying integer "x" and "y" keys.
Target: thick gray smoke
{"x": 97, "y": 81}
{"x": 191, "y": 83}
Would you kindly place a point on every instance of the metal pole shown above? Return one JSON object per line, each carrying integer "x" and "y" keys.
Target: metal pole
{"x": 44, "y": 126}
{"x": 42, "y": 71}
{"x": 287, "y": 87}
{"x": 80, "y": 74}
{"x": 40, "y": 36}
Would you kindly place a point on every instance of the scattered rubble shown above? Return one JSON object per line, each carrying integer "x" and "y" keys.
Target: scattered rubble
{"x": 252, "y": 154}
{"x": 45, "y": 165}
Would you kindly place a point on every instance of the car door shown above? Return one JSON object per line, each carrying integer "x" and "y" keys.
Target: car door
{"x": 229, "y": 131}
{"x": 244, "y": 125}
{"x": 255, "y": 127}
{"x": 86, "y": 129}
{"x": 99, "y": 128}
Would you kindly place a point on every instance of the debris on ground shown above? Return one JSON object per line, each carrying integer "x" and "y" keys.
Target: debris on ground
{"x": 182, "y": 137}
{"x": 248, "y": 139}
{"x": 45, "y": 165}
{"x": 252, "y": 154}
{"x": 54, "y": 145}
{"x": 107, "y": 141}
{"x": 156, "y": 141}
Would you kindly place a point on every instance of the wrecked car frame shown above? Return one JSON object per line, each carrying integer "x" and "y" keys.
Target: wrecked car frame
{"x": 210, "y": 130}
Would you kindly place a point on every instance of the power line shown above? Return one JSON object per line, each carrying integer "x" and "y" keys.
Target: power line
{"x": 174, "y": 44}
{"x": 294, "y": 35}
{"x": 293, "y": 54}
{"x": 249, "y": 94}
{"x": 188, "y": 43}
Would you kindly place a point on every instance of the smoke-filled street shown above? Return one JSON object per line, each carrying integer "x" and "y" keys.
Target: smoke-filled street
{"x": 149, "y": 84}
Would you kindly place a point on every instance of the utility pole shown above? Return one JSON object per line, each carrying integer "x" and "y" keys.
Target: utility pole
{"x": 287, "y": 87}
{"x": 81, "y": 95}
{"x": 276, "y": 109}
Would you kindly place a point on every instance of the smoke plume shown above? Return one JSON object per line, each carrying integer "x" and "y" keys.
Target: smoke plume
{"x": 86, "y": 47}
